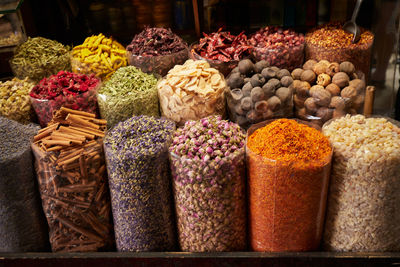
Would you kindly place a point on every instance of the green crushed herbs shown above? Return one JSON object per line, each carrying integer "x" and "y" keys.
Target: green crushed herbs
{"x": 40, "y": 57}
{"x": 15, "y": 101}
{"x": 127, "y": 93}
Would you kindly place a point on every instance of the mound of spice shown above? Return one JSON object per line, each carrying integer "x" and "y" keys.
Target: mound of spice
{"x": 129, "y": 92}
{"x": 98, "y": 55}
{"x": 71, "y": 90}
{"x": 280, "y": 48}
{"x": 22, "y": 224}
{"x": 40, "y": 57}
{"x": 208, "y": 169}
{"x": 157, "y": 50}
{"x": 192, "y": 91}
{"x": 15, "y": 103}
{"x": 71, "y": 171}
{"x": 332, "y": 43}
{"x": 288, "y": 171}
{"x": 362, "y": 214}
{"x": 137, "y": 163}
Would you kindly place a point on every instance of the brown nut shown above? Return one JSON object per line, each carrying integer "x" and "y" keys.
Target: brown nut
{"x": 333, "y": 89}
{"x": 261, "y": 106}
{"x": 296, "y": 73}
{"x": 298, "y": 101}
{"x": 314, "y": 88}
{"x": 269, "y": 90}
{"x": 323, "y": 79}
{"x": 337, "y": 102}
{"x": 282, "y": 73}
{"x": 349, "y": 92}
{"x": 311, "y": 106}
{"x": 246, "y": 103}
{"x": 324, "y": 61}
{"x": 301, "y": 88}
{"x": 332, "y": 69}
{"x": 324, "y": 113}
{"x": 358, "y": 102}
{"x": 284, "y": 94}
{"x": 337, "y": 113}
{"x": 274, "y": 103}
{"x": 341, "y": 79}
{"x": 319, "y": 68}
{"x": 302, "y": 113}
{"x": 309, "y": 65}
{"x": 322, "y": 97}
{"x": 257, "y": 94}
{"x": 347, "y": 67}
{"x": 308, "y": 76}
{"x": 236, "y": 94}
{"x": 286, "y": 81}
{"x": 358, "y": 84}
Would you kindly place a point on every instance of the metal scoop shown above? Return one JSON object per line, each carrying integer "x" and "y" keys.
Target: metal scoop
{"x": 351, "y": 26}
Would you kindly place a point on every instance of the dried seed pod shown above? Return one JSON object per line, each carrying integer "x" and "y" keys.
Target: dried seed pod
{"x": 275, "y": 83}
{"x": 323, "y": 79}
{"x": 246, "y": 89}
{"x": 274, "y": 103}
{"x": 246, "y": 103}
{"x": 236, "y": 94}
{"x": 260, "y": 65}
{"x": 268, "y": 73}
{"x": 255, "y": 80}
{"x": 245, "y": 66}
{"x": 332, "y": 69}
{"x": 257, "y": 94}
{"x": 269, "y": 90}
{"x": 261, "y": 106}
{"x": 311, "y": 105}
{"x": 284, "y": 94}
{"x": 286, "y": 81}
{"x": 308, "y": 76}
{"x": 235, "y": 81}
{"x": 282, "y": 73}
{"x": 341, "y": 79}
{"x": 347, "y": 67}
{"x": 333, "y": 89}
{"x": 309, "y": 65}
{"x": 296, "y": 73}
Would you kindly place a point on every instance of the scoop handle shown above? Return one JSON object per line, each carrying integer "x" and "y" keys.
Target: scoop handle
{"x": 355, "y": 11}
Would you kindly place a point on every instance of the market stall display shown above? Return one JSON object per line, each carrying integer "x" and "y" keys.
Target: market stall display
{"x": 15, "y": 102}
{"x": 65, "y": 89}
{"x": 324, "y": 90}
{"x": 127, "y": 93}
{"x": 330, "y": 42}
{"x": 221, "y": 50}
{"x": 208, "y": 169}
{"x": 98, "y": 55}
{"x": 39, "y": 57}
{"x": 192, "y": 91}
{"x": 22, "y": 224}
{"x": 257, "y": 92}
{"x": 137, "y": 163}
{"x": 71, "y": 171}
{"x": 363, "y": 204}
{"x": 157, "y": 50}
{"x": 288, "y": 166}
{"x": 281, "y": 48}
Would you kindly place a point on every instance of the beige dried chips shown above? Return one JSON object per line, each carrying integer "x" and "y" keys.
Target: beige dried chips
{"x": 192, "y": 91}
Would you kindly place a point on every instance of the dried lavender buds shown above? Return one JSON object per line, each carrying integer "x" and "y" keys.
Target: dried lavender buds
{"x": 207, "y": 162}
{"x": 137, "y": 163}
{"x": 129, "y": 92}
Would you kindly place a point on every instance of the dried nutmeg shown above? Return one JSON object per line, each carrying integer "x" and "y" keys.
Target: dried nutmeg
{"x": 309, "y": 65}
{"x": 275, "y": 83}
{"x": 324, "y": 61}
{"x": 236, "y": 94}
{"x": 246, "y": 66}
{"x": 260, "y": 65}
{"x": 261, "y": 106}
{"x": 308, "y": 76}
{"x": 257, "y": 94}
{"x": 246, "y": 89}
{"x": 323, "y": 79}
{"x": 311, "y": 106}
{"x": 296, "y": 73}
{"x": 320, "y": 68}
{"x": 316, "y": 87}
{"x": 284, "y": 94}
{"x": 322, "y": 97}
{"x": 341, "y": 79}
{"x": 301, "y": 88}
{"x": 269, "y": 90}
{"x": 332, "y": 69}
{"x": 324, "y": 113}
{"x": 274, "y": 103}
{"x": 268, "y": 73}
{"x": 333, "y": 89}
{"x": 255, "y": 80}
{"x": 286, "y": 81}
{"x": 358, "y": 84}
{"x": 338, "y": 103}
{"x": 349, "y": 92}
{"x": 298, "y": 101}
{"x": 282, "y": 73}
{"x": 347, "y": 67}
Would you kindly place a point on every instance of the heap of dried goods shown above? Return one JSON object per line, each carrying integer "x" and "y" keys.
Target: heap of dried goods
{"x": 137, "y": 162}
{"x": 207, "y": 161}
{"x": 192, "y": 91}
{"x": 363, "y": 205}
{"x": 288, "y": 167}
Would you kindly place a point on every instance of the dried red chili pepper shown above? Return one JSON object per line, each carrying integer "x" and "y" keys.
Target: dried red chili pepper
{"x": 72, "y": 90}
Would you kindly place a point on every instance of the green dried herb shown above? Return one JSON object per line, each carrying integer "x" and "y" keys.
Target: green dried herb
{"x": 129, "y": 92}
{"x": 40, "y": 57}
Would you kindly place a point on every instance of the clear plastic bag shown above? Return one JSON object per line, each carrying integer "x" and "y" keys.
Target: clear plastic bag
{"x": 158, "y": 64}
{"x": 210, "y": 203}
{"x": 363, "y": 204}
{"x": 44, "y": 108}
{"x": 286, "y": 201}
{"x": 75, "y": 198}
{"x": 99, "y": 70}
{"x": 22, "y": 224}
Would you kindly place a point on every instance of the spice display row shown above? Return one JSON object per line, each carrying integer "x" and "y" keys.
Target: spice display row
{"x": 184, "y": 189}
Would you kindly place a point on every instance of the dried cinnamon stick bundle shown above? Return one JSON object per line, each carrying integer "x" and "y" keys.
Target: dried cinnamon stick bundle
{"x": 70, "y": 168}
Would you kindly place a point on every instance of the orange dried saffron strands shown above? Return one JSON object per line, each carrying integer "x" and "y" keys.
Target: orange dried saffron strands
{"x": 287, "y": 141}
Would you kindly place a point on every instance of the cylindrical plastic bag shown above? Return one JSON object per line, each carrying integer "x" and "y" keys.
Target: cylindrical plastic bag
{"x": 209, "y": 186}
{"x": 73, "y": 186}
{"x": 286, "y": 201}
{"x": 363, "y": 204}
{"x": 137, "y": 163}
{"x": 22, "y": 223}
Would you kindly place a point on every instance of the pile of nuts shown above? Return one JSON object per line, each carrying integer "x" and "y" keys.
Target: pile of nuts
{"x": 192, "y": 91}
{"x": 258, "y": 92}
{"x": 324, "y": 90}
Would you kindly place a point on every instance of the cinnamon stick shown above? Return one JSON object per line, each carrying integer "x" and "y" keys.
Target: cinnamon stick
{"x": 75, "y": 120}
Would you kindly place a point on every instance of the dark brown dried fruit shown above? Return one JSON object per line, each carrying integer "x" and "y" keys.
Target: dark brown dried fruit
{"x": 296, "y": 73}
{"x": 308, "y": 76}
{"x": 347, "y": 67}
{"x": 341, "y": 79}
{"x": 309, "y": 65}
